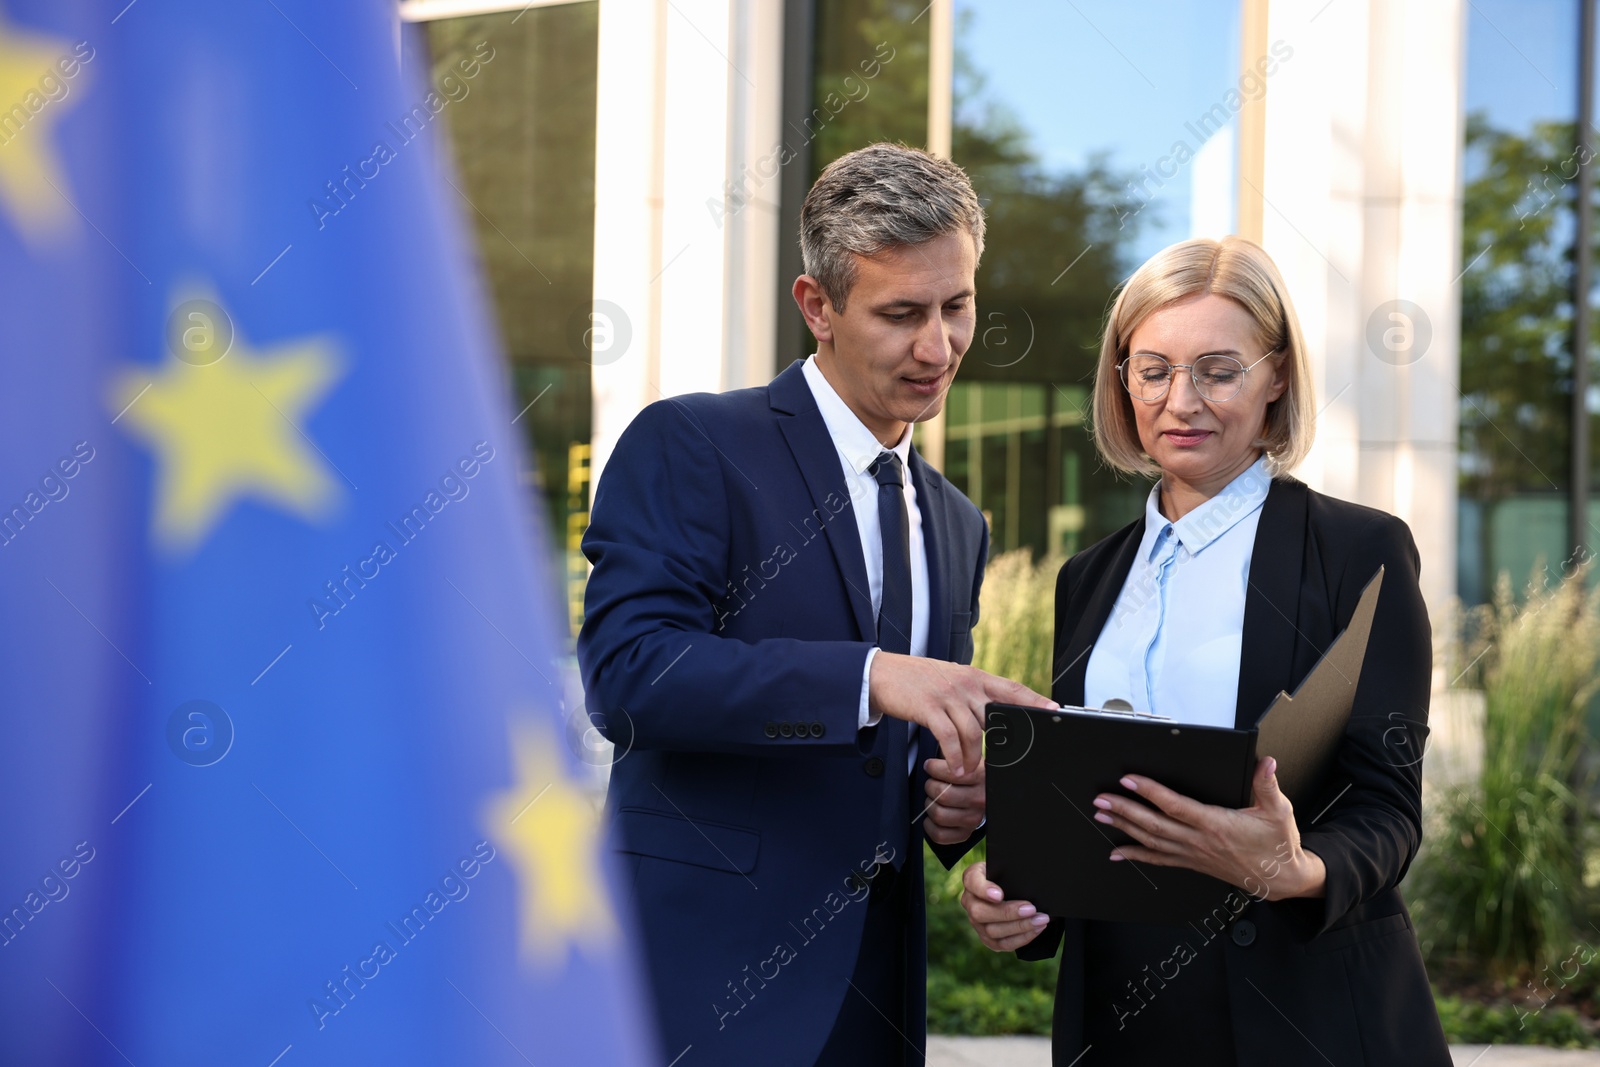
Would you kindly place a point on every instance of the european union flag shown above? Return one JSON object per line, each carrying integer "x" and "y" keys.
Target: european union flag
{"x": 283, "y": 778}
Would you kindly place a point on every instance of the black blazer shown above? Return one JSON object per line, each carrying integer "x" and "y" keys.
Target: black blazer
{"x": 1341, "y": 976}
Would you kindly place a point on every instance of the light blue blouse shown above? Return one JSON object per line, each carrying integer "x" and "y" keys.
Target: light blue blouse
{"x": 1171, "y": 644}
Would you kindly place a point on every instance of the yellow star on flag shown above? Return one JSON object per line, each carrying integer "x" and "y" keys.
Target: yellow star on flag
{"x": 31, "y": 185}
{"x": 230, "y": 430}
{"x": 551, "y": 831}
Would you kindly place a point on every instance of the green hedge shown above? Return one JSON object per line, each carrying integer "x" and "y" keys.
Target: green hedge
{"x": 1469, "y": 1022}
{"x": 956, "y": 1007}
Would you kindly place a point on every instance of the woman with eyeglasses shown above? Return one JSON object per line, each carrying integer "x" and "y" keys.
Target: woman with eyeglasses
{"x": 1224, "y": 593}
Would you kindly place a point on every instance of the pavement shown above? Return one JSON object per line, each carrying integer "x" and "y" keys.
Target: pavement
{"x": 1035, "y": 1052}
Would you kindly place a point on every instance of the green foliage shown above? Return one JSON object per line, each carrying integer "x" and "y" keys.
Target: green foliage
{"x": 1469, "y": 1022}
{"x": 1500, "y": 884}
{"x": 1040, "y": 221}
{"x": 959, "y": 1008}
{"x": 1013, "y": 638}
{"x": 1575, "y": 977}
{"x": 1516, "y": 309}
{"x": 1038, "y": 325}
{"x": 856, "y": 38}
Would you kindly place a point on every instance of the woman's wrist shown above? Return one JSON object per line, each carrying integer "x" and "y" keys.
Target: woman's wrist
{"x": 1309, "y": 876}
{"x": 1303, "y": 876}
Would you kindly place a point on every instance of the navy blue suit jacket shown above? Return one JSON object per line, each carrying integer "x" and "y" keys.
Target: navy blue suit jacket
{"x": 727, "y": 626}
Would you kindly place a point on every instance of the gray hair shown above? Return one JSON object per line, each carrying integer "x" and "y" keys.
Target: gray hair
{"x": 880, "y": 197}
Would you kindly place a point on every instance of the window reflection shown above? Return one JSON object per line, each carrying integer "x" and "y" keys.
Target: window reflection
{"x": 523, "y": 142}
{"x": 1516, "y": 313}
{"x": 1087, "y": 132}
{"x": 870, "y": 77}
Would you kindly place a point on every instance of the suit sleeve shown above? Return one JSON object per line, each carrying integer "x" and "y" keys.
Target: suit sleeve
{"x": 1370, "y": 833}
{"x": 656, "y": 674}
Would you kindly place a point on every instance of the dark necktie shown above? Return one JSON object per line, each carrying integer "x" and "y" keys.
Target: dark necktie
{"x": 894, "y": 616}
{"x": 894, "y": 635}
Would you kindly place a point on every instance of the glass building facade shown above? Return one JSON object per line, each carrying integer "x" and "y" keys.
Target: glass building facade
{"x": 1076, "y": 198}
{"x": 1095, "y": 134}
{"x": 1518, "y": 234}
{"x": 522, "y": 143}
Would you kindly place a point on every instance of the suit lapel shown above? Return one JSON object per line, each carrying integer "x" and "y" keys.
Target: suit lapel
{"x": 936, "y": 547}
{"x": 1272, "y": 601}
{"x": 1073, "y": 664}
{"x": 818, "y": 460}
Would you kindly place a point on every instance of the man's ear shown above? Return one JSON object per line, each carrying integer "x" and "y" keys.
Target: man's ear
{"x": 815, "y": 307}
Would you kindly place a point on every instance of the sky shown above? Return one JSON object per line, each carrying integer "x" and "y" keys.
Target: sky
{"x": 1087, "y": 76}
{"x": 1522, "y": 60}
{"x": 1059, "y": 67}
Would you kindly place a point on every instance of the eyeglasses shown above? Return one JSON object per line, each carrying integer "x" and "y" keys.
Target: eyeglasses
{"x": 1217, "y": 378}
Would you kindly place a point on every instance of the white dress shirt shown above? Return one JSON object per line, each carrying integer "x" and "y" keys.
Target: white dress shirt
{"x": 858, "y": 448}
{"x": 1171, "y": 645}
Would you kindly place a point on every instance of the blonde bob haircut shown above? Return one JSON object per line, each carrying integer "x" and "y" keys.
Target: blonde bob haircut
{"x": 1239, "y": 270}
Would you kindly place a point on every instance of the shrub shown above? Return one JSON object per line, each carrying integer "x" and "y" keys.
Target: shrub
{"x": 956, "y": 1007}
{"x": 1472, "y": 1023}
{"x": 1016, "y": 623}
{"x": 1500, "y": 883}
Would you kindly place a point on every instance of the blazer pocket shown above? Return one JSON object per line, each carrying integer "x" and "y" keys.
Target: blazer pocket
{"x": 668, "y": 836}
{"x": 961, "y": 636}
{"x": 1354, "y": 934}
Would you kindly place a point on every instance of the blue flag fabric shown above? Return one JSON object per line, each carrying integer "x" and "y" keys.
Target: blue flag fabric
{"x": 284, "y": 777}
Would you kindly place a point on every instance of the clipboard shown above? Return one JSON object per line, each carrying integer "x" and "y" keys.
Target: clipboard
{"x": 1045, "y": 768}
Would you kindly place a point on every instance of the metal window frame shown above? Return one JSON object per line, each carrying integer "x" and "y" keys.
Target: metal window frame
{"x": 1579, "y": 532}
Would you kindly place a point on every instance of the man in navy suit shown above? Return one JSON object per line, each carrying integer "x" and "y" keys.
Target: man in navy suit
{"x": 776, "y": 629}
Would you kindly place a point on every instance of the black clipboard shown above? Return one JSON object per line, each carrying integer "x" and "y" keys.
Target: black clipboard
{"x": 1046, "y": 767}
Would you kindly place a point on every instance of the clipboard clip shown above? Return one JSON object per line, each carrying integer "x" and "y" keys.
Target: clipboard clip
{"x": 1118, "y": 706}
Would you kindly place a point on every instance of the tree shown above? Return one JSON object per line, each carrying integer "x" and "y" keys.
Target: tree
{"x": 1516, "y": 311}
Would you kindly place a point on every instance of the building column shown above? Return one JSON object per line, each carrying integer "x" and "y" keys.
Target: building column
{"x": 941, "y": 114}
{"x": 1361, "y": 209}
{"x": 685, "y": 216}
{"x": 756, "y": 151}
{"x": 628, "y": 178}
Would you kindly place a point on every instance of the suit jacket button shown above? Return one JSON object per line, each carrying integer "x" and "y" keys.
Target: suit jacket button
{"x": 874, "y": 766}
{"x": 771, "y": 729}
{"x": 786, "y": 729}
{"x": 816, "y": 729}
{"x": 1244, "y": 933}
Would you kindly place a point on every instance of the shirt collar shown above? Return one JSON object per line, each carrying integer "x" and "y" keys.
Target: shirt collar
{"x": 857, "y": 444}
{"x": 1201, "y": 528}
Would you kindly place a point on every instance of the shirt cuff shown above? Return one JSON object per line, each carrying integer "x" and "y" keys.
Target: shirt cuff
{"x": 865, "y": 717}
